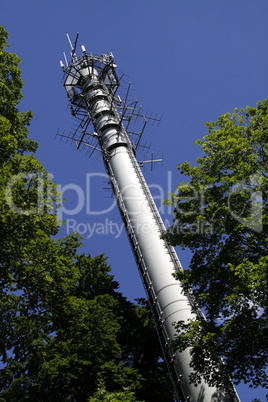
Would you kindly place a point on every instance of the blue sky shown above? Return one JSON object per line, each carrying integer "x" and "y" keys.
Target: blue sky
{"x": 188, "y": 61}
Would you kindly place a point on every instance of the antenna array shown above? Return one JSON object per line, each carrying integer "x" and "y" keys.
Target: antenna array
{"x": 132, "y": 116}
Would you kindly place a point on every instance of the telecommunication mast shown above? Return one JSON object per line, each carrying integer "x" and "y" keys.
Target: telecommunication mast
{"x": 91, "y": 84}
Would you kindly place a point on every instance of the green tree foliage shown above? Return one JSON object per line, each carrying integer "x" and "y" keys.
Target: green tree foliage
{"x": 103, "y": 395}
{"x": 221, "y": 215}
{"x": 66, "y": 333}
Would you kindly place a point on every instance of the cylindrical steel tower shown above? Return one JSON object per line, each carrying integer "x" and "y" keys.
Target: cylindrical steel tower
{"x": 91, "y": 83}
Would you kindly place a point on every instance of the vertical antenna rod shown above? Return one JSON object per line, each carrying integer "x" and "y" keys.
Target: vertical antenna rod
{"x": 91, "y": 83}
{"x": 70, "y": 43}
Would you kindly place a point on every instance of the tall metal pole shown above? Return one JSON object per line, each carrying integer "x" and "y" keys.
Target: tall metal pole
{"x": 91, "y": 83}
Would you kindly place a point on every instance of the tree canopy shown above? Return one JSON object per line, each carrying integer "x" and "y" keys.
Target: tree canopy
{"x": 66, "y": 333}
{"x": 221, "y": 215}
